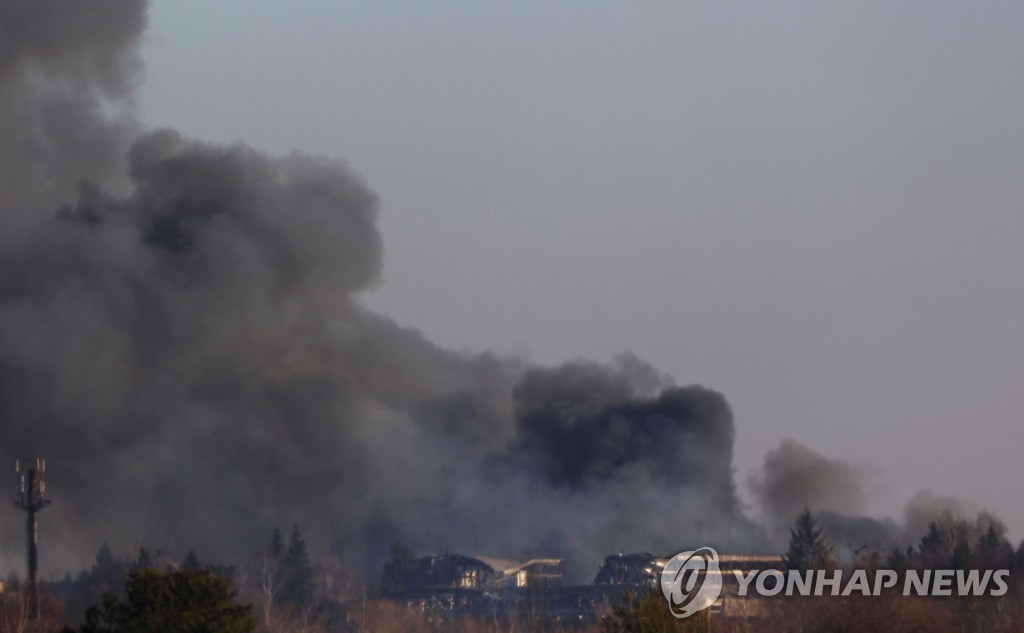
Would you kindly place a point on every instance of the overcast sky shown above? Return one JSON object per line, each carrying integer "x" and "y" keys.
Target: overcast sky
{"x": 813, "y": 207}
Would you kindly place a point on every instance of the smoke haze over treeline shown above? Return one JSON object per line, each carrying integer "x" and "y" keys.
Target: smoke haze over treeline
{"x": 180, "y": 338}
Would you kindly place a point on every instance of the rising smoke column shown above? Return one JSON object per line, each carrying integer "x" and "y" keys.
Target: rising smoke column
{"x": 192, "y": 357}
{"x": 180, "y": 338}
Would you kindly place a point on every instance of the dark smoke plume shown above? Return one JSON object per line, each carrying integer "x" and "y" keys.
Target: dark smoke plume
{"x": 584, "y": 425}
{"x": 179, "y": 337}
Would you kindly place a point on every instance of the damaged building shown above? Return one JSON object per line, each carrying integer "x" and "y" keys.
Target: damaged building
{"x": 484, "y": 573}
{"x": 486, "y": 585}
{"x": 634, "y": 570}
{"x": 644, "y": 570}
{"x": 479, "y": 585}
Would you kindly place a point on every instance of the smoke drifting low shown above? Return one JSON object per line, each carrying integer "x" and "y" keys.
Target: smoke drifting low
{"x": 179, "y": 338}
{"x": 795, "y": 477}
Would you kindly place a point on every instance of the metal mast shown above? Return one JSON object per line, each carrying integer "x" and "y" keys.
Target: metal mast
{"x": 31, "y": 493}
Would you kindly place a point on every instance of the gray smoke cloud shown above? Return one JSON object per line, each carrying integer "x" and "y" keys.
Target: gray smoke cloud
{"x": 66, "y": 73}
{"x": 926, "y": 507}
{"x": 180, "y": 338}
{"x": 795, "y": 477}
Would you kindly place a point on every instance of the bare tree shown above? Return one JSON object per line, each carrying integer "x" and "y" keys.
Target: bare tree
{"x": 264, "y": 579}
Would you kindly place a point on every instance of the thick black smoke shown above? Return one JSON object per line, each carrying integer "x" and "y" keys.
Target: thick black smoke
{"x": 612, "y": 458}
{"x": 583, "y": 425}
{"x": 179, "y": 338}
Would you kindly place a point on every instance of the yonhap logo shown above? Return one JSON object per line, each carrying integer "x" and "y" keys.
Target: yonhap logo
{"x": 691, "y": 581}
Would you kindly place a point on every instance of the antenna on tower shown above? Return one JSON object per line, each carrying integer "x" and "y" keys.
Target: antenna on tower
{"x": 31, "y": 499}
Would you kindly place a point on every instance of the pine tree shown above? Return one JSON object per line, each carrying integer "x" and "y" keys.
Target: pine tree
{"x": 994, "y": 550}
{"x": 933, "y": 549}
{"x": 145, "y": 559}
{"x": 191, "y": 562}
{"x": 276, "y": 545}
{"x": 1017, "y": 558}
{"x": 808, "y": 548}
{"x": 104, "y": 557}
{"x": 176, "y": 602}
{"x": 298, "y": 569}
{"x": 106, "y": 574}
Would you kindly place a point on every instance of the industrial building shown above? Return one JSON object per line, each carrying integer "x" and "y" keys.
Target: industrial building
{"x": 486, "y": 585}
{"x": 484, "y": 573}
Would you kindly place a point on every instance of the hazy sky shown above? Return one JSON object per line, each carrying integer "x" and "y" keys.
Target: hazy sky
{"x": 813, "y": 207}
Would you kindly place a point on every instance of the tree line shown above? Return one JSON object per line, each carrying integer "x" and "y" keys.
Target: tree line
{"x": 281, "y": 589}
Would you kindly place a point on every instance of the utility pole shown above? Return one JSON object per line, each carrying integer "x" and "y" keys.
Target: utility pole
{"x": 31, "y": 493}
